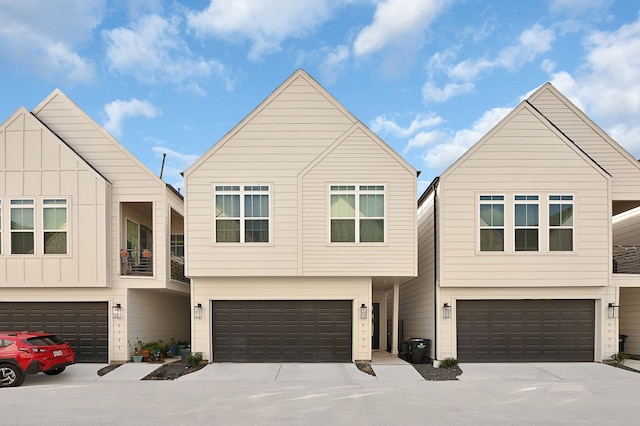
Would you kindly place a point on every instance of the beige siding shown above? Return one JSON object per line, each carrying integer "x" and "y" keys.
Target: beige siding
{"x": 606, "y": 152}
{"x": 417, "y": 297}
{"x": 290, "y": 130}
{"x": 154, "y": 316}
{"x": 606, "y": 341}
{"x": 630, "y": 319}
{"x": 524, "y": 155}
{"x": 36, "y": 165}
{"x": 374, "y": 166}
{"x": 356, "y": 289}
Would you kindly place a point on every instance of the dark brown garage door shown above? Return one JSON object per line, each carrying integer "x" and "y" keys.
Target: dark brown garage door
{"x": 85, "y": 325}
{"x": 282, "y": 330}
{"x": 525, "y": 330}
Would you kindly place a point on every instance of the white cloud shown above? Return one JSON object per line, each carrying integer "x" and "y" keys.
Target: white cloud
{"x": 333, "y": 63}
{"x": 432, "y": 93}
{"x": 153, "y": 51}
{"x": 266, "y": 24}
{"x": 397, "y": 22}
{"x": 451, "y": 147}
{"x": 382, "y": 124}
{"x": 607, "y": 84}
{"x": 45, "y": 36}
{"x": 118, "y": 110}
{"x": 531, "y": 44}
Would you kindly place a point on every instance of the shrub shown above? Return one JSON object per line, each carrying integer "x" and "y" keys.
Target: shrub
{"x": 449, "y": 363}
{"x": 194, "y": 359}
{"x": 619, "y": 358}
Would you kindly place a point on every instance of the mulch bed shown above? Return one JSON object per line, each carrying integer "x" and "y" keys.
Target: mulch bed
{"x": 426, "y": 371}
{"x": 437, "y": 374}
{"x": 173, "y": 370}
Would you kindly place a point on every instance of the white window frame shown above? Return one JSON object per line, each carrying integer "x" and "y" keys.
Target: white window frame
{"x": 565, "y": 198}
{"x": 29, "y": 203}
{"x": 358, "y": 190}
{"x": 493, "y": 199}
{"x": 529, "y": 199}
{"x": 44, "y": 230}
{"x": 241, "y": 190}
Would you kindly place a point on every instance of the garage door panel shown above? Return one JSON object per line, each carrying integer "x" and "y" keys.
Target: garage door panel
{"x": 525, "y": 330}
{"x": 282, "y": 331}
{"x": 83, "y": 324}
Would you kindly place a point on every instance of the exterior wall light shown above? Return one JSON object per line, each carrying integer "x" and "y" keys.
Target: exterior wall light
{"x": 446, "y": 311}
{"x": 363, "y": 311}
{"x": 197, "y": 311}
{"x": 116, "y": 311}
{"x": 613, "y": 310}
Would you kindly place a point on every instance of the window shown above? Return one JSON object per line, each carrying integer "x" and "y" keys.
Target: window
{"x": 54, "y": 226}
{"x": 22, "y": 227}
{"x": 357, "y": 213}
{"x": 242, "y": 214}
{"x": 561, "y": 223}
{"x": 177, "y": 245}
{"x": 491, "y": 222}
{"x": 526, "y": 222}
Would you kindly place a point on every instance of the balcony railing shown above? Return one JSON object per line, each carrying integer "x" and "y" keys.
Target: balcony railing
{"x": 136, "y": 262}
{"x": 177, "y": 269}
{"x": 626, "y": 259}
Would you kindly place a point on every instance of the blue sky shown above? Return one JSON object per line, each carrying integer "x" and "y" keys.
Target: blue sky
{"x": 430, "y": 77}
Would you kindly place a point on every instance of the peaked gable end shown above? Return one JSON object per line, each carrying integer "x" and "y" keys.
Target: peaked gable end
{"x": 299, "y": 117}
{"x": 94, "y": 143}
{"x": 574, "y": 123}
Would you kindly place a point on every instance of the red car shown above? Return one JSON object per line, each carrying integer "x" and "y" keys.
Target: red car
{"x": 23, "y": 353}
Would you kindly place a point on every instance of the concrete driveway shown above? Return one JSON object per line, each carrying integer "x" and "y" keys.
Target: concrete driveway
{"x": 496, "y": 394}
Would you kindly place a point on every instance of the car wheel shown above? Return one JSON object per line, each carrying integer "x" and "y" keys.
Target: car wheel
{"x": 55, "y": 371}
{"x": 10, "y": 376}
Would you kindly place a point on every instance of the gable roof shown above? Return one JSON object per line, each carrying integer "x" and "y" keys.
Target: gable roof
{"x": 586, "y": 123}
{"x": 58, "y": 96}
{"x": 29, "y": 117}
{"x": 525, "y": 105}
{"x": 298, "y": 74}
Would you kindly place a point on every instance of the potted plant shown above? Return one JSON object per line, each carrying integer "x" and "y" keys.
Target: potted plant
{"x": 155, "y": 349}
{"x": 136, "y": 355}
{"x": 172, "y": 348}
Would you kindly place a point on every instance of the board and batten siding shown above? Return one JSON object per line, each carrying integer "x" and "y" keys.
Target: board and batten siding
{"x": 131, "y": 180}
{"x": 624, "y": 169}
{"x": 356, "y": 289}
{"x": 524, "y": 155}
{"x": 35, "y": 164}
{"x": 359, "y": 160}
{"x": 417, "y": 297}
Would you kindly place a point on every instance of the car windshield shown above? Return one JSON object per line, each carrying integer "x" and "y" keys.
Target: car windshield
{"x": 44, "y": 341}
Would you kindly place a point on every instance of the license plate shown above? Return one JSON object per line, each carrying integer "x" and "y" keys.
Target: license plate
{"x": 57, "y": 353}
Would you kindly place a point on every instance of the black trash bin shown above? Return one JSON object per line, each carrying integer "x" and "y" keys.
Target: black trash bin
{"x": 623, "y": 337}
{"x": 417, "y": 350}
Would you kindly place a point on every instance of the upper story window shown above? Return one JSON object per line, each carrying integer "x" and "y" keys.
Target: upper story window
{"x": 357, "y": 213}
{"x": 177, "y": 245}
{"x": 242, "y": 214}
{"x": 561, "y": 223}
{"x": 527, "y": 222}
{"x": 54, "y": 226}
{"x": 491, "y": 222}
{"x": 22, "y": 227}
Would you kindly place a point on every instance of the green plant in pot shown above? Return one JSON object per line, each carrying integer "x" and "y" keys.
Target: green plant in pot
{"x": 155, "y": 349}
